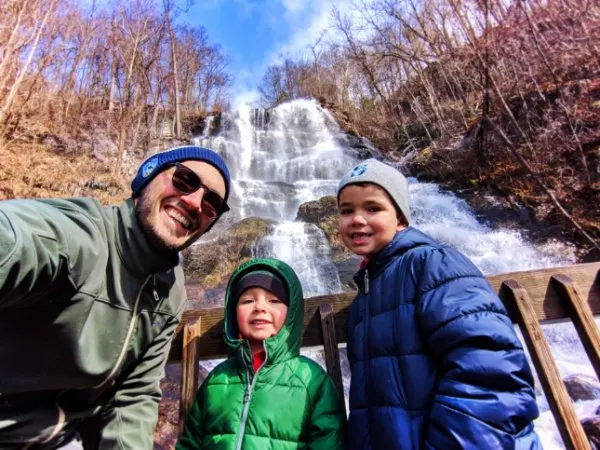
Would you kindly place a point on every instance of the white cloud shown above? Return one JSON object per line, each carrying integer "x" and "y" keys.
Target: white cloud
{"x": 306, "y": 21}
{"x": 246, "y": 98}
{"x": 294, "y": 6}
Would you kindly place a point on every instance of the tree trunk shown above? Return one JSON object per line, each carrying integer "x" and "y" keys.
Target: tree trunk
{"x": 17, "y": 84}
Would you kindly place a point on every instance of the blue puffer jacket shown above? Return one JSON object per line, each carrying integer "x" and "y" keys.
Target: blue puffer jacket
{"x": 434, "y": 357}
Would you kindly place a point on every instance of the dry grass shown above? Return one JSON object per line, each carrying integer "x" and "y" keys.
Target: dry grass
{"x": 30, "y": 170}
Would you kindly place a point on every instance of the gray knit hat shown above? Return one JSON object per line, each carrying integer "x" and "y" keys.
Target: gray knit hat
{"x": 383, "y": 175}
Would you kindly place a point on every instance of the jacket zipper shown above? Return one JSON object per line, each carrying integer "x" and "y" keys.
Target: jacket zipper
{"x": 247, "y": 395}
{"x": 132, "y": 325}
{"x": 366, "y": 335}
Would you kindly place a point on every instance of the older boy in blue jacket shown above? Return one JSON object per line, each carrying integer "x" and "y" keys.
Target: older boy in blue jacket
{"x": 434, "y": 357}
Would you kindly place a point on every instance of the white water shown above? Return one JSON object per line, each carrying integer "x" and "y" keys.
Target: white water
{"x": 299, "y": 154}
{"x": 451, "y": 221}
{"x": 307, "y": 247}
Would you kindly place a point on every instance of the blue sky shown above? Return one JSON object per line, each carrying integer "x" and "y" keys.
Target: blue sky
{"x": 257, "y": 33}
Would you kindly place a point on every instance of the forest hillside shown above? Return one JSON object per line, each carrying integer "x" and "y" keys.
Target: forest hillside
{"x": 479, "y": 95}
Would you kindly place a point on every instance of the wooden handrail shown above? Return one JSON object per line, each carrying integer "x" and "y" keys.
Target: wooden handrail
{"x": 332, "y": 355}
{"x": 545, "y": 301}
{"x": 560, "y": 404}
{"x": 189, "y": 368}
{"x": 530, "y": 297}
{"x": 581, "y": 315}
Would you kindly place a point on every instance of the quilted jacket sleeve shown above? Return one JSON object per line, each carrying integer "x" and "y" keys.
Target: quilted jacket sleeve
{"x": 485, "y": 396}
{"x": 327, "y": 421}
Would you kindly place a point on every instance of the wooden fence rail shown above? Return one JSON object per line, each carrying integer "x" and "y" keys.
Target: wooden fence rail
{"x": 531, "y": 298}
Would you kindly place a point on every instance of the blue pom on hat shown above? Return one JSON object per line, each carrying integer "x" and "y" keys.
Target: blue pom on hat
{"x": 158, "y": 162}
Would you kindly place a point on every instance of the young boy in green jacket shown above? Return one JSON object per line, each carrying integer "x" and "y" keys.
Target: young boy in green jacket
{"x": 265, "y": 395}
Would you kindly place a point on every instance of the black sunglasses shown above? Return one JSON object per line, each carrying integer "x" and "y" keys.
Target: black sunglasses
{"x": 186, "y": 181}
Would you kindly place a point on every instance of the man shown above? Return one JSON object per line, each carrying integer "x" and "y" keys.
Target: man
{"x": 89, "y": 299}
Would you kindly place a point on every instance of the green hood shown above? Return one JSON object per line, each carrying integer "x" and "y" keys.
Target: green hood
{"x": 284, "y": 345}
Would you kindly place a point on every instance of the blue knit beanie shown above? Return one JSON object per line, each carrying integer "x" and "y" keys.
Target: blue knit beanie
{"x": 158, "y": 162}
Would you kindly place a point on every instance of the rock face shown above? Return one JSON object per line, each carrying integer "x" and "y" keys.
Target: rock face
{"x": 323, "y": 213}
{"x": 591, "y": 426}
{"x": 582, "y": 387}
{"x": 317, "y": 210}
{"x": 211, "y": 263}
{"x": 167, "y": 429}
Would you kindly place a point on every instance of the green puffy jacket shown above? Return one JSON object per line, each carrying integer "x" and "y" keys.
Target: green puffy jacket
{"x": 87, "y": 314}
{"x": 290, "y": 403}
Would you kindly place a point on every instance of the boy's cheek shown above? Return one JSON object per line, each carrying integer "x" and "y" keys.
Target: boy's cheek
{"x": 282, "y": 322}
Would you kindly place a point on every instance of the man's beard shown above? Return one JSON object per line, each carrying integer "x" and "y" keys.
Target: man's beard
{"x": 144, "y": 211}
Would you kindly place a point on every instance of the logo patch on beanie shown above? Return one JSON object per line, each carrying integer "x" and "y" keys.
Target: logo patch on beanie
{"x": 358, "y": 170}
{"x": 149, "y": 167}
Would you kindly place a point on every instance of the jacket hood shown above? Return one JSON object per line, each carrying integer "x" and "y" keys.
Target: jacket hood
{"x": 286, "y": 343}
{"x": 403, "y": 241}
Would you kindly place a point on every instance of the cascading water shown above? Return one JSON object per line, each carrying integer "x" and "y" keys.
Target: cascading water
{"x": 296, "y": 153}
{"x": 306, "y": 247}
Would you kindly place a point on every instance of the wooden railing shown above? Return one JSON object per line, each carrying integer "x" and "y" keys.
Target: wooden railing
{"x": 532, "y": 297}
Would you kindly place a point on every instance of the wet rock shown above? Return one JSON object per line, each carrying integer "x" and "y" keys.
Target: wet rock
{"x": 317, "y": 210}
{"x": 166, "y": 433}
{"x": 591, "y": 426}
{"x": 202, "y": 297}
{"x": 167, "y": 428}
{"x": 591, "y": 256}
{"x": 323, "y": 213}
{"x": 346, "y": 269}
{"x": 211, "y": 262}
{"x": 582, "y": 387}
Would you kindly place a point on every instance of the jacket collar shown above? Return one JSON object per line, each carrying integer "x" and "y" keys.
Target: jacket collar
{"x": 135, "y": 251}
{"x": 403, "y": 241}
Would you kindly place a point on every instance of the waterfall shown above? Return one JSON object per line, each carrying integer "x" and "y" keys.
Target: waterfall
{"x": 306, "y": 247}
{"x": 296, "y": 153}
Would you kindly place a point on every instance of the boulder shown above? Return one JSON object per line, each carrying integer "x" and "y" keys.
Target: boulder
{"x": 591, "y": 426}
{"x": 166, "y": 432}
{"x": 210, "y": 262}
{"x": 317, "y": 211}
{"x": 323, "y": 213}
{"x": 167, "y": 428}
{"x": 582, "y": 387}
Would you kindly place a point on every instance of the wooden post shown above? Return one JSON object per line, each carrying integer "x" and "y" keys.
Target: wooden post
{"x": 561, "y": 406}
{"x": 189, "y": 369}
{"x": 581, "y": 315}
{"x": 330, "y": 347}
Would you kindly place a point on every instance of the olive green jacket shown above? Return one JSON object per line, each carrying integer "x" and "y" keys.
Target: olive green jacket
{"x": 87, "y": 313}
{"x": 290, "y": 403}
